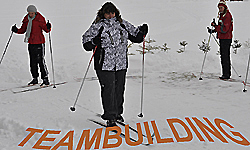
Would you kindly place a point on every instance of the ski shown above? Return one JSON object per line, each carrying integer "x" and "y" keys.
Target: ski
{"x": 18, "y": 87}
{"x": 245, "y": 83}
{"x": 122, "y": 134}
{"x": 229, "y": 80}
{"x": 36, "y": 88}
{"x": 95, "y": 78}
{"x": 131, "y": 128}
{"x": 234, "y": 80}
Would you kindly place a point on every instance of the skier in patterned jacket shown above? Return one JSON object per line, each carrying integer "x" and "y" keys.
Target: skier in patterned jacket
{"x": 110, "y": 33}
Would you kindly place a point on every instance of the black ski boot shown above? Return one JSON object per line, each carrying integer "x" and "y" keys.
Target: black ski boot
{"x": 33, "y": 82}
{"x": 111, "y": 123}
{"x": 120, "y": 118}
{"x": 45, "y": 82}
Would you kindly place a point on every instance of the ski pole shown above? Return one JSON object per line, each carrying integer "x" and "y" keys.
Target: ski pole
{"x": 216, "y": 40}
{"x": 6, "y": 46}
{"x": 143, "y": 59}
{"x": 235, "y": 71}
{"x": 205, "y": 56}
{"x": 73, "y": 107}
{"x": 53, "y": 72}
{"x": 230, "y": 64}
{"x": 245, "y": 83}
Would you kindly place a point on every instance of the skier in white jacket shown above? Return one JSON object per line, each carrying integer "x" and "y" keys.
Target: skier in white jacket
{"x": 110, "y": 33}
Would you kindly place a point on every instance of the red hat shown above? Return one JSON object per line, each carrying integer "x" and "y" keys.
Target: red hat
{"x": 222, "y": 3}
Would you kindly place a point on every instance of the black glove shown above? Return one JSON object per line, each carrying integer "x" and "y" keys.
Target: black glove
{"x": 48, "y": 26}
{"x": 213, "y": 23}
{"x": 210, "y": 30}
{"x": 14, "y": 29}
{"x": 97, "y": 40}
{"x": 144, "y": 29}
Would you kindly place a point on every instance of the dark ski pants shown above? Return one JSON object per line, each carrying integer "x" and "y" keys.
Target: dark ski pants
{"x": 225, "y": 56}
{"x": 37, "y": 53}
{"x": 112, "y": 92}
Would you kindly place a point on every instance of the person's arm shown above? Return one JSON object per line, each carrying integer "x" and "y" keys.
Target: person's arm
{"x": 23, "y": 28}
{"x": 135, "y": 34}
{"x": 224, "y": 26}
{"x": 44, "y": 26}
{"x": 92, "y": 37}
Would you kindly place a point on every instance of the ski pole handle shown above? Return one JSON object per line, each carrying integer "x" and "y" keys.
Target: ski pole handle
{"x": 49, "y": 26}
{"x": 213, "y": 24}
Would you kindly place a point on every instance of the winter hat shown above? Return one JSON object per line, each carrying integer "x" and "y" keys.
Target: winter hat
{"x": 31, "y": 8}
{"x": 222, "y": 3}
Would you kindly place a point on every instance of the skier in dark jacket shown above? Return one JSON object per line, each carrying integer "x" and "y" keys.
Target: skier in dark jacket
{"x": 34, "y": 24}
{"x": 110, "y": 33}
{"x": 224, "y": 30}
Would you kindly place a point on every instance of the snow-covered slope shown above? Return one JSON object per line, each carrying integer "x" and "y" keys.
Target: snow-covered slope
{"x": 171, "y": 88}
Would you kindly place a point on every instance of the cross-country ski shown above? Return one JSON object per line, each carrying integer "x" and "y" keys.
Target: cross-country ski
{"x": 33, "y": 88}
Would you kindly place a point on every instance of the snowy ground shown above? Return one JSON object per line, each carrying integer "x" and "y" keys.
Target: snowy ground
{"x": 170, "y": 91}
